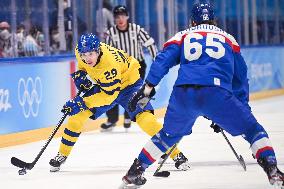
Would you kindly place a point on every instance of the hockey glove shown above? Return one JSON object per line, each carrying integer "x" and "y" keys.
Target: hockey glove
{"x": 74, "y": 106}
{"x": 215, "y": 127}
{"x": 81, "y": 81}
{"x": 141, "y": 97}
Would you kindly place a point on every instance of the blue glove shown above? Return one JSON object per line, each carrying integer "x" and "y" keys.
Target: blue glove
{"x": 74, "y": 106}
{"x": 81, "y": 81}
{"x": 141, "y": 97}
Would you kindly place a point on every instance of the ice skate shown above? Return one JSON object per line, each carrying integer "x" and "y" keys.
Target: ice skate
{"x": 127, "y": 124}
{"x": 275, "y": 176}
{"x": 56, "y": 162}
{"x": 108, "y": 126}
{"x": 134, "y": 177}
{"x": 181, "y": 162}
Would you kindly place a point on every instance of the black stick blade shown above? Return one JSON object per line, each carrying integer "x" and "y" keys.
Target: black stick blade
{"x": 19, "y": 163}
{"x": 243, "y": 163}
{"x": 162, "y": 174}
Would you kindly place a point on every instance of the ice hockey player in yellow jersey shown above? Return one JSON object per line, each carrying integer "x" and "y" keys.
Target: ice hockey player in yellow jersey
{"x": 114, "y": 78}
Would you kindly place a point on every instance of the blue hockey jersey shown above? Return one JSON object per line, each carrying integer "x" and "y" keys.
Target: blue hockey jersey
{"x": 207, "y": 56}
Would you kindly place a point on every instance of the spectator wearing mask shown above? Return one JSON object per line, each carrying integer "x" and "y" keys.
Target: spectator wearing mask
{"x": 5, "y": 40}
{"x": 31, "y": 46}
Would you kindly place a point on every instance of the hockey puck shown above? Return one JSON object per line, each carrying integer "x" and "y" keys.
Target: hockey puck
{"x": 22, "y": 171}
{"x": 162, "y": 174}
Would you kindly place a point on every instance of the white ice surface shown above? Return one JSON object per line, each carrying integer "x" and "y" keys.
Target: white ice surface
{"x": 99, "y": 160}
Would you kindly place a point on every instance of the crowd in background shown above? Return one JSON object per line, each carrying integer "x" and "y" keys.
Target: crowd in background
{"x": 30, "y": 39}
{"x": 29, "y": 42}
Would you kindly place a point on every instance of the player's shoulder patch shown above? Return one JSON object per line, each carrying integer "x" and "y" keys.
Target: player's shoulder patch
{"x": 177, "y": 38}
{"x": 233, "y": 43}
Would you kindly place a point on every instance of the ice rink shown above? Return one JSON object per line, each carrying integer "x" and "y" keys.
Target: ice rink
{"x": 99, "y": 160}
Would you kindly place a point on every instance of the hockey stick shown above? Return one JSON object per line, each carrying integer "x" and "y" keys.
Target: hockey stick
{"x": 164, "y": 173}
{"x": 240, "y": 158}
{"x": 28, "y": 166}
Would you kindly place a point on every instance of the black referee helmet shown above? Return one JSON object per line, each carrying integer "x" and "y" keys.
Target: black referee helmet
{"x": 120, "y": 10}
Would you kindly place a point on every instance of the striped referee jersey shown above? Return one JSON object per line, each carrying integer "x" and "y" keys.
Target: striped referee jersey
{"x": 131, "y": 40}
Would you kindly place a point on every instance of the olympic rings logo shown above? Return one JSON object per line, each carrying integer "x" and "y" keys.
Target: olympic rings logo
{"x": 30, "y": 96}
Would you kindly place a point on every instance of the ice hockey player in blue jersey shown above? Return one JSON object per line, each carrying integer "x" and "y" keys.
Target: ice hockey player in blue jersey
{"x": 212, "y": 81}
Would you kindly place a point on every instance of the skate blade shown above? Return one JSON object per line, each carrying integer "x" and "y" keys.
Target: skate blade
{"x": 54, "y": 169}
{"x": 184, "y": 167}
{"x": 106, "y": 130}
{"x": 128, "y": 186}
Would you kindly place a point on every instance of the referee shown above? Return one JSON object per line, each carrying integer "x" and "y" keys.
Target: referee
{"x": 129, "y": 37}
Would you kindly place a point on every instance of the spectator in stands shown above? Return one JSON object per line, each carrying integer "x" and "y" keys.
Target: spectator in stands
{"x": 20, "y": 38}
{"x": 68, "y": 26}
{"x": 54, "y": 41}
{"x": 5, "y": 40}
{"x": 68, "y": 17}
{"x": 106, "y": 20}
{"x": 31, "y": 47}
{"x": 40, "y": 41}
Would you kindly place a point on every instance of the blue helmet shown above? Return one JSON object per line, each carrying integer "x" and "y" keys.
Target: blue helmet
{"x": 202, "y": 11}
{"x": 88, "y": 43}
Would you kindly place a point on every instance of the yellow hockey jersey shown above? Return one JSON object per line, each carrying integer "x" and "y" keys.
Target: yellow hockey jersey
{"x": 114, "y": 71}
